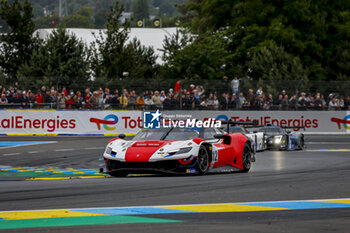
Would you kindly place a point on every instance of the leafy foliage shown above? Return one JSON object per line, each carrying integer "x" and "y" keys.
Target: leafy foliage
{"x": 62, "y": 60}
{"x": 195, "y": 58}
{"x": 113, "y": 56}
{"x": 311, "y": 30}
{"x": 17, "y": 44}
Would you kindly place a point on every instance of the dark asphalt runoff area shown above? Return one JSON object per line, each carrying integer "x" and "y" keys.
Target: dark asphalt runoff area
{"x": 321, "y": 171}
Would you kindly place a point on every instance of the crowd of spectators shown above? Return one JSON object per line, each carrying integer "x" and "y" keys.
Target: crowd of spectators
{"x": 193, "y": 97}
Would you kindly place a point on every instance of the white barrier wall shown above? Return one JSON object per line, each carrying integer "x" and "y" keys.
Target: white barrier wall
{"x": 39, "y": 122}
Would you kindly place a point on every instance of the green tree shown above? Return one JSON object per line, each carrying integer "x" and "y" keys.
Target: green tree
{"x": 310, "y": 30}
{"x": 47, "y": 22}
{"x": 199, "y": 58}
{"x": 100, "y": 18}
{"x": 77, "y": 21}
{"x": 113, "y": 55}
{"x": 61, "y": 60}
{"x": 140, "y": 9}
{"x": 16, "y": 45}
{"x": 82, "y": 18}
{"x": 166, "y": 9}
{"x": 273, "y": 63}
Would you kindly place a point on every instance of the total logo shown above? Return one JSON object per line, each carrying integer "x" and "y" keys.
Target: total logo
{"x": 108, "y": 120}
{"x": 345, "y": 122}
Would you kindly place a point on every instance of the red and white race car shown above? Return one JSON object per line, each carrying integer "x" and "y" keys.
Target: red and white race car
{"x": 178, "y": 150}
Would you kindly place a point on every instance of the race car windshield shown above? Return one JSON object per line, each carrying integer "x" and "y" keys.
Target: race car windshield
{"x": 151, "y": 134}
{"x": 237, "y": 130}
{"x": 181, "y": 134}
{"x": 271, "y": 130}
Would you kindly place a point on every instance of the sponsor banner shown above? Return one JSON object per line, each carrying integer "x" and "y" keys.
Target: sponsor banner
{"x": 130, "y": 122}
{"x": 69, "y": 122}
{"x": 336, "y": 122}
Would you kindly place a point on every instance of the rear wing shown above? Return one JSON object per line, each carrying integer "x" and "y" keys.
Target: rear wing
{"x": 283, "y": 127}
{"x": 246, "y": 124}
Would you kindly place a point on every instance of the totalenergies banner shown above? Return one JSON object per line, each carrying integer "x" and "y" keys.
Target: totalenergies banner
{"x": 41, "y": 122}
{"x": 53, "y": 122}
{"x": 336, "y": 122}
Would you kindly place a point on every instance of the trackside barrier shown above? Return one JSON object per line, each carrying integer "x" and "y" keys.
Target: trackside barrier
{"x": 112, "y": 123}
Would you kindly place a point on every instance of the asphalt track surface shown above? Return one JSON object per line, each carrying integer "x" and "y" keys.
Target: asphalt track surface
{"x": 322, "y": 171}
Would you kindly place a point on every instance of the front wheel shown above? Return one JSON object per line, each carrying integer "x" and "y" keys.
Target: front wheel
{"x": 301, "y": 143}
{"x": 202, "y": 160}
{"x": 246, "y": 158}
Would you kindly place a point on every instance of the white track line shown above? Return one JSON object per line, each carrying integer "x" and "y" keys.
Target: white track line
{"x": 10, "y": 154}
{"x": 36, "y": 144}
{"x": 59, "y": 150}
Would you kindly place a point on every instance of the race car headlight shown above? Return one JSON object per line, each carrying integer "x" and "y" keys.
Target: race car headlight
{"x": 180, "y": 151}
{"x": 109, "y": 150}
{"x": 278, "y": 140}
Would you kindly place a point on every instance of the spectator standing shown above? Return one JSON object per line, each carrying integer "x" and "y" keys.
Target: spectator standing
{"x": 225, "y": 101}
{"x": 318, "y": 105}
{"x": 162, "y": 96}
{"x": 242, "y": 100}
{"x": 64, "y": 90}
{"x": 347, "y": 103}
{"x": 216, "y": 102}
{"x": 177, "y": 87}
{"x": 106, "y": 102}
{"x": 285, "y": 103}
{"x": 259, "y": 91}
{"x": 106, "y": 93}
{"x": 167, "y": 102}
{"x": 23, "y": 98}
{"x": 148, "y": 103}
{"x": 3, "y": 100}
{"x": 233, "y": 102}
{"x": 341, "y": 103}
{"x": 39, "y": 99}
{"x": 69, "y": 102}
{"x": 156, "y": 100}
{"x": 115, "y": 100}
{"x": 140, "y": 102}
{"x": 333, "y": 104}
{"x": 225, "y": 85}
{"x": 100, "y": 98}
{"x": 293, "y": 103}
{"x": 210, "y": 103}
{"x": 123, "y": 100}
{"x": 283, "y": 93}
{"x": 78, "y": 100}
{"x": 61, "y": 100}
{"x": 93, "y": 100}
{"x": 132, "y": 100}
{"x": 302, "y": 103}
{"x": 270, "y": 100}
{"x": 235, "y": 85}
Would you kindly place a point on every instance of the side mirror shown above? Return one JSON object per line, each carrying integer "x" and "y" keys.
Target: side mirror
{"x": 219, "y": 136}
{"x": 255, "y": 131}
{"x": 288, "y": 132}
{"x": 121, "y": 136}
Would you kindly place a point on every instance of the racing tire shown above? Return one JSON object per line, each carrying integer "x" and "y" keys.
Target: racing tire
{"x": 246, "y": 158}
{"x": 202, "y": 160}
{"x": 285, "y": 139}
{"x": 301, "y": 143}
{"x": 118, "y": 174}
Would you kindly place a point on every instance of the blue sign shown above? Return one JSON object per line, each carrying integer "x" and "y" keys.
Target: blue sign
{"x": 151, "y": 120}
